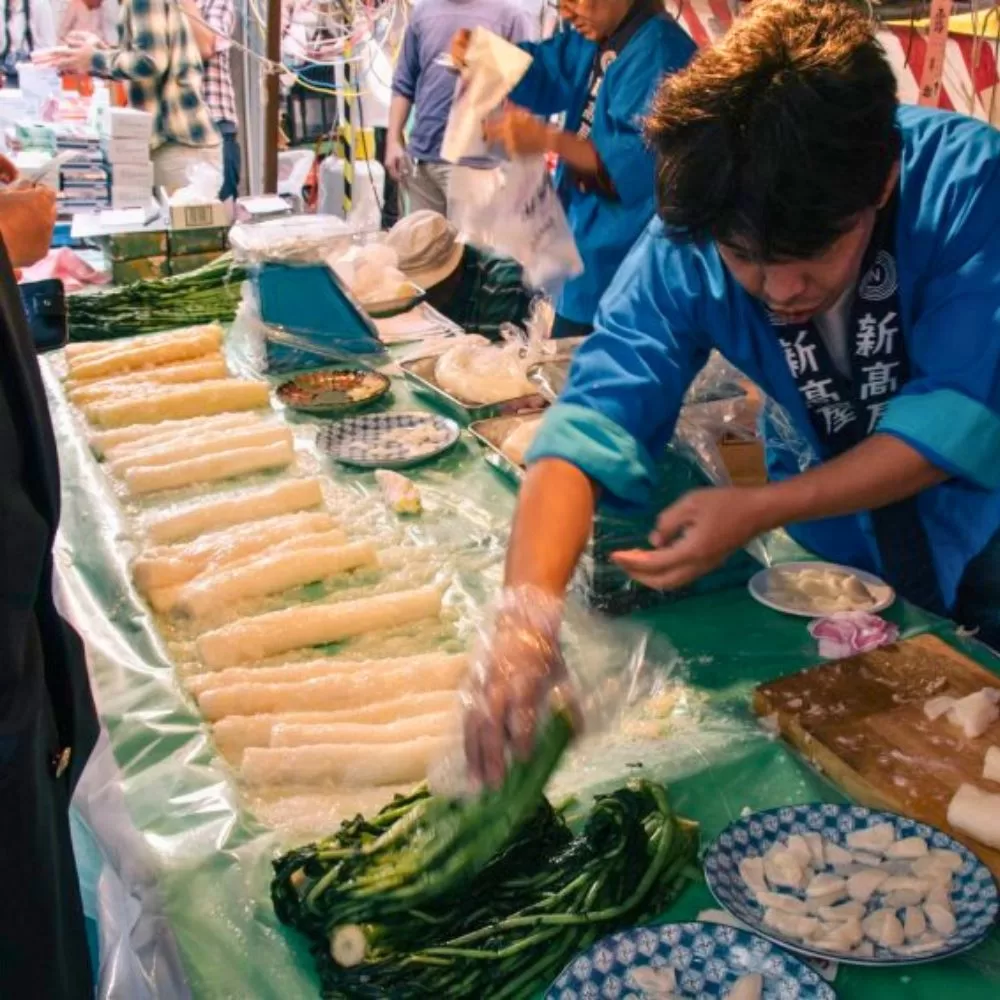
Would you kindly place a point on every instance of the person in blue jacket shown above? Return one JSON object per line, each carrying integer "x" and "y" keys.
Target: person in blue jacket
{"x": 600, "y": 70}
{"x": 842, "y": 252}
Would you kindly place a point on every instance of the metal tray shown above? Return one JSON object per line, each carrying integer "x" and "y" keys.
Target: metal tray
{"x": 491, "y": 434}
{"x": 420, "y": 374}
{"x": 385, "y": 308}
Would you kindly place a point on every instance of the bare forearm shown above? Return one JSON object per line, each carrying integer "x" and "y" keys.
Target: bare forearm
{"x": 399, "y": 115}
{"x": 880, "y": 471}
{"x": 580, "y": 154}
{"x": 555, "y": 515}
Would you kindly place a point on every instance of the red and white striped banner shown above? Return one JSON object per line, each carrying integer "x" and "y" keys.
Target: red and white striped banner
{"x": 966, "y": 68}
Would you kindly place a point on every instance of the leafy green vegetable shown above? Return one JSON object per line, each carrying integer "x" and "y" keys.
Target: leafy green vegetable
{"x": 209, "y": 294}
{"x": 501, "y": 925}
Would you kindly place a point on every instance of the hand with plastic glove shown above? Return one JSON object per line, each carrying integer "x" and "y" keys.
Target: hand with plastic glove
{"x": 518, "y": 674}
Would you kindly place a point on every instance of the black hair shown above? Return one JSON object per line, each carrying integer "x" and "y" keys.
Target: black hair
{"x": 776, "y": 138}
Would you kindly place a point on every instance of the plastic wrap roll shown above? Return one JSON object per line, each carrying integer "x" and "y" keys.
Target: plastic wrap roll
{"x": 271, "y": 574}
{"x": 143, "y": 479}
{"x": 197, "y": 446}
{"x": 145, "y": 352}
{"x": 298, "y": 628}
{"x": 332, "y": 693}
{"x": 224, "y": 512}
{"x": 201, "y": 399}
{"x": 348, "y": 765}
{"x": 173, "y": 565}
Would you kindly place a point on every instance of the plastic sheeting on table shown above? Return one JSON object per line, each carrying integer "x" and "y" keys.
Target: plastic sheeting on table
{"x": 209, "y": 861}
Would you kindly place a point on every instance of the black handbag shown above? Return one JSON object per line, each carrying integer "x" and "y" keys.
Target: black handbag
{"x": 45, "y": 308}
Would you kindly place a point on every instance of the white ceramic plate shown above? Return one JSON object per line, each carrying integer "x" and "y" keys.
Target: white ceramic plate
{"x": 760, "y": 585}
{"x": 975, "y": 899}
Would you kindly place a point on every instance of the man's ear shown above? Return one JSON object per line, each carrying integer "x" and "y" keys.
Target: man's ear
{"x": 890, "y": 185}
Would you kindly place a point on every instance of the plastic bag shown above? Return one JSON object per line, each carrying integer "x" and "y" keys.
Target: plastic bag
{"x": 479, "y": 372}
{"x": 492, "y": 69}
{"x": 202, "y": 188}
{"x": 370, "y": 272}
{"x": 536, "y": 654}
{"x": 523, "y": 219}
{"x": 301, "y": 239}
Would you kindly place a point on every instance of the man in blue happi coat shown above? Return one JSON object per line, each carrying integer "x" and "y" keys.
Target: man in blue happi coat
{"x": 842, "y": 251}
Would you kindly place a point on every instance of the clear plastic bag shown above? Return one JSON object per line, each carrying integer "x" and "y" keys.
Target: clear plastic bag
{"x": 523, "y": 218}
{"x": 202, "y": 188}
{"x": 300, "y": 239}
{"x": 534, "y": 654}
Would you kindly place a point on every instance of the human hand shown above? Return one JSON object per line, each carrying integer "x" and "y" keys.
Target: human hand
{"x": 81, "y": 39}
{"x": 8, "y": 172}
{"x": 73, "y": 60}
{"x": 517, "y": 671}
{"x": 519, "y": 132}
{"x": 460, "y": 46}
{"x": 696, "y": 535}
{"x": 27, "y": 218}
{"x": 395, "y": 157}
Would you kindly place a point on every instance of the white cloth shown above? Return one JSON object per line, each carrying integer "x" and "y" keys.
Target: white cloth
{"x": 43, "y": 26}
{"x": 833, "y": 328}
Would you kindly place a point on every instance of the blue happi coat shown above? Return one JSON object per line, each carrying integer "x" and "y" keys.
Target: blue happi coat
{"x": 558, "y": 82}
{"x": 672, "y": 303}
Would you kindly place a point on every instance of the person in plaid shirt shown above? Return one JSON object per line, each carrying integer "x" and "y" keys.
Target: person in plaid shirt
{"x": 212, "y": 23}
{"x": 157, "y": 55}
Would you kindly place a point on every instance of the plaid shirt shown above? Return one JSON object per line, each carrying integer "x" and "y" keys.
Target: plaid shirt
{"x": 490, "y": 292}
{"x": 158, "y": 57}
{"x": 220, "y": 16}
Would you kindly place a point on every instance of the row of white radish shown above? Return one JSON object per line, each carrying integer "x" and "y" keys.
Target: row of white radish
{"x": 165, "y": 417}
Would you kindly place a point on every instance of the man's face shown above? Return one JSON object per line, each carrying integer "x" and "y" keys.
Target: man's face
{"x": 595, "y": 19}
{"x": 798, "y": 290}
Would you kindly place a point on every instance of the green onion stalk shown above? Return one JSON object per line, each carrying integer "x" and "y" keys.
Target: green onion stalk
{"x": 209, "y": 294}
{"x": 391, "y": 910}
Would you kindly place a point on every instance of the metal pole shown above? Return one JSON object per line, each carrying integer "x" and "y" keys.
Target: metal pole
{"x": 272, "y": 110}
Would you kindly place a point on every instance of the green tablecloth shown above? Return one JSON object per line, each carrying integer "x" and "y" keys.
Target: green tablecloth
{"x": 211, "y": 861}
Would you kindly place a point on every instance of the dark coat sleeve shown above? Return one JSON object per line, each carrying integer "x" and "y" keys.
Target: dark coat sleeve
{"x": 65, "y": 669}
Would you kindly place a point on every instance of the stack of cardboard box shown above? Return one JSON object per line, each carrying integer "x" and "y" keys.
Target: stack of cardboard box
{"x": 125, "y": 137}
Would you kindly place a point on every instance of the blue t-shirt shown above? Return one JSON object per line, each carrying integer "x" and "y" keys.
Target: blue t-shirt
{"x": 671, "y": 303}
{"x": 431, "y": 87}
{"x": 605, "y": 228}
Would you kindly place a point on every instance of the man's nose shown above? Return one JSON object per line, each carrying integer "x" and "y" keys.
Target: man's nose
{"x": 784, "y": 285}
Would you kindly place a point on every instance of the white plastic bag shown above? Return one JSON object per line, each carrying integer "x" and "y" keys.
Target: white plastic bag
{"x": 202, "y": 188}
{"x": 371, "y": 272}
{"x": 525, "y": 220}
{"x": 492, "y": 69}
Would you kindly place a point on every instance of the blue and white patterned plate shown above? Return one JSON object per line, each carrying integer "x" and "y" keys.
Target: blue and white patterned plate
{"x": 707, "y": 959}
{"x": 388, "y": 440}
{"x": 974, "y": 896}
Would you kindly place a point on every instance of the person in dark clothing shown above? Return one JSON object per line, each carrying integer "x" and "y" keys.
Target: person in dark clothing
{"x": 48, "y": 725}
{"x": 479, "y": 291}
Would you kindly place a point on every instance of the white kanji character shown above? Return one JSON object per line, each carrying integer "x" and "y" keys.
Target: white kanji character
{"x": 801, "y": 356}
{"x": 879, "y": 379}
{"x": 876, "y": 338}
{"x": 838, "y": 416}
{"x": 875, "y": 411}
{"x": 817, "y": 393}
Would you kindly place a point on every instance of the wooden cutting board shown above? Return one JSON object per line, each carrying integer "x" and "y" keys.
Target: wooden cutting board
{"x": 861, "y": 722}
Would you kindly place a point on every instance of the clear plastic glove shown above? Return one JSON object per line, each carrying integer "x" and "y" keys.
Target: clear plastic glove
{"x": 518, "y": 673}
